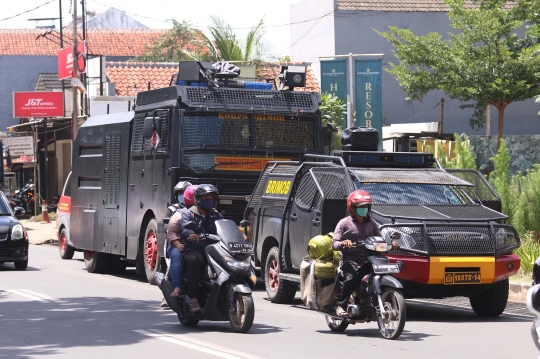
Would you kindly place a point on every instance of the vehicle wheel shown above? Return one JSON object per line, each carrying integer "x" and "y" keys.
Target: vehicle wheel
{"x": 188, "y": 322}
{"x": 336, "y": 325}
{"x": 21, "y": 265}
{"x": 66, "y": 251}
{"x": 278, "y": 290}
{"x": 150, "y": 250}
{"x": 392, "y": 323}
{"x": 493, "y": 301}
{"x": 241, "y": 318}
{"x": 96, "y": 262}
{"x": 117, "y": 265}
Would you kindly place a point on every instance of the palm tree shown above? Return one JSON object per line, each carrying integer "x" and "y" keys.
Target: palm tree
{"x": 225, "y": 44}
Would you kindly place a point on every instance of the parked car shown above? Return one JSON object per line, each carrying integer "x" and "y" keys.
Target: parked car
{"x": 13, "y": 236}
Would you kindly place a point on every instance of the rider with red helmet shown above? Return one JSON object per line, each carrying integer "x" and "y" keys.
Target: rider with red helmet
{"x": 353, "y": 260}
{"x": 175, "y": 246}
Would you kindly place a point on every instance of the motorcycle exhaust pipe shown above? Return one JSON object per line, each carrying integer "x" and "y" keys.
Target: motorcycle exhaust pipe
{"x": 353, "y": 311}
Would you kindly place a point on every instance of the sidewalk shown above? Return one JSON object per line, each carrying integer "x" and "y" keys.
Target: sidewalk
{"x": 40, "y": 233}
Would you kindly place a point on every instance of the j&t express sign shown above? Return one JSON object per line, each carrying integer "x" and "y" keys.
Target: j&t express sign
{"x": 38, "y": 104}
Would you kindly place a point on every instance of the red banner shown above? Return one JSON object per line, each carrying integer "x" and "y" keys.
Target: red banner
{"x": 38, "y": 104}
{"x": 65, "y": 61}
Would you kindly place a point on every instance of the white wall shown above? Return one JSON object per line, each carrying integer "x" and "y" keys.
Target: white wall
{"x": 311, "y": 39}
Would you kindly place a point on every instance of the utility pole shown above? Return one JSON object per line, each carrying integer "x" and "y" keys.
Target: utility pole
{"x": 75, "y": 75}
{"x": 352, "y": 95}
{"x": 46, "y": 163}
{"x": 61, "y": 46}
{"x": 441, "y": 122}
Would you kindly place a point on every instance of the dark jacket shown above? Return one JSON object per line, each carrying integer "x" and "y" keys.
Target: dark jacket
{"x": 206, "y": 223}
{"x": 364, "y": 230}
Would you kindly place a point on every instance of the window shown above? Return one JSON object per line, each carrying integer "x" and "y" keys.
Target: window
{"x": 67, "y": 186}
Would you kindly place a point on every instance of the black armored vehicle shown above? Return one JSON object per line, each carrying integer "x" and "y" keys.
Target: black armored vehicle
{"x": 202, "y": 129}
{"x": 453, "y": 237}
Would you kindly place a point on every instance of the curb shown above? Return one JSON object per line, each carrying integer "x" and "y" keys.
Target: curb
{"x": 518, "y": 292}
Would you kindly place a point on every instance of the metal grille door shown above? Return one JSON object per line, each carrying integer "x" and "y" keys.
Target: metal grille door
{"x": 112, "y": 169}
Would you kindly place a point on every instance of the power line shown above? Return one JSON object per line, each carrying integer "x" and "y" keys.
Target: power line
{"x": 24, "y": 12}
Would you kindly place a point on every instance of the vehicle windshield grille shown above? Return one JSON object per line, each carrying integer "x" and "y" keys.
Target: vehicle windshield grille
{"x": 415, "y": 176}
{"x": 413, "y": 194}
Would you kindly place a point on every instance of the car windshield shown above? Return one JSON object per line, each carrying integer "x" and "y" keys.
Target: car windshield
{"x": 5, "y": 208}
{"x": 415, "y": 194}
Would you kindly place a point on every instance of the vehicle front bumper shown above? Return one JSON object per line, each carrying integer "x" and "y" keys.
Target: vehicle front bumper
{"x": 13, "y": 254}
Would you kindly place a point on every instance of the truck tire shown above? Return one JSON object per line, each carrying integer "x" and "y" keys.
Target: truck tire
{"x": 493, "y": 301}
{"x": 66, "y": 251}
{"x": 279, "y": 291}
{"x": 151, "y": 257}
{"x": 96, "y": 262}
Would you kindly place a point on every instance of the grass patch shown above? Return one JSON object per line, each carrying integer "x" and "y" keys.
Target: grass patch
{"x": 38, "y": 218}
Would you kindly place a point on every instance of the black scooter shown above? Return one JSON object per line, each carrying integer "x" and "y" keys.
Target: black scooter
{"x": 533, "y": 303}
{"x": 378, "y": 296}
{"x": 227, "y": 281}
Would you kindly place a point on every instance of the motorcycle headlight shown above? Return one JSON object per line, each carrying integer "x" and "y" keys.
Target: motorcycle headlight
{"x": 236, "y": 265}
{"x": 381, "y": 247}
{"x": 17, "y": 232}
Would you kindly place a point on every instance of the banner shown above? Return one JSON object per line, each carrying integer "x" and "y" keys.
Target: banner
{"x": 334, "y": 81}
{"x": 38, "y": 104}
{"x": 65, "y": 60}
{"x": 20, "y": 146}
{"x": 368, "y": 84}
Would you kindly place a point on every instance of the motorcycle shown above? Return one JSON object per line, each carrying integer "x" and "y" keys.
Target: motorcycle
{"x": 378, "y": 296}
{"x": 226, "y": 282}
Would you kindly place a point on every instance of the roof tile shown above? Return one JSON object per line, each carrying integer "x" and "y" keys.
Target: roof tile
{"x": 400, "y": 5}
{"x": 132, "y": 77}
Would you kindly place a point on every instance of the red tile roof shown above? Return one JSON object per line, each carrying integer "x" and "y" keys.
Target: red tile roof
{"x": 110, "y": 42}
{"x": 131, "y": 77}
{"x": 400, "y": 5}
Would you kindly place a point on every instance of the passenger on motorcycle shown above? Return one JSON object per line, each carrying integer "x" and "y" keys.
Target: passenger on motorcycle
{"x": 354, "y": 265}
{"x": 205, "y": 215}
{"x": 179, "y": 192}
{"x": 175, "y": 246}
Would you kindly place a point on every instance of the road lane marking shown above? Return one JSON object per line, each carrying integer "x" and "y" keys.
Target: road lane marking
{"x": 187, "y": 345}
{"x": 207, "y": 344}
{"x": 31, "y": 295}
{"x": 44, "y": 296}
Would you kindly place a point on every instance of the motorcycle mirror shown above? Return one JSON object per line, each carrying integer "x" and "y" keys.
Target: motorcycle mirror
{"x": 191, "y": 225}
{"x": 19, "y": 211}
{"x": 244, "y": 223}
{"x": 395, "y": 235}
{"x": 348, "y": 234}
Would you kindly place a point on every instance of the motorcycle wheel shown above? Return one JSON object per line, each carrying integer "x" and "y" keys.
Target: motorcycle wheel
{"x": 393, "y": 322}
{"x": 336, "y": 325}
{"x": 188, "y": 322}
{"x": 241, "y": 318}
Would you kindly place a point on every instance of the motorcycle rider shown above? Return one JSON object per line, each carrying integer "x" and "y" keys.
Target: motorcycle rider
{"x": 174, "y": 260}
{"x": 205, "y": 215}
{"x": 354, "y": 264}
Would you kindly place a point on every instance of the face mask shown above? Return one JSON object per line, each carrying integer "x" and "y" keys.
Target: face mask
{"x": 207, "y": 204}
{"x": 181, "y": 198}
{"x": 362, "y": 212}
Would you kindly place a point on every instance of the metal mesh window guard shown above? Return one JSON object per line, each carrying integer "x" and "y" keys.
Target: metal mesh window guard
{"x": 140, "y": 144}
{"x": 289, "y": 133}
{"x": 413, "y": 194}
{"x": 306, "y": 192}
{"x": 482, "y": 188}
{"x": 333, "y": 181}
{"x": 414, "y": 176}
{"x": 214, "y": 129}
{"x": 467, "y": 212}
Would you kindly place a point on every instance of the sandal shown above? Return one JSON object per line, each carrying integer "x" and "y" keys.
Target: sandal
{"x": 175, "y": 293}
{"x": 193, "y": 306}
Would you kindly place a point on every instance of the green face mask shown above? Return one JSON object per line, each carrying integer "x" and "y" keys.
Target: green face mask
{"x": 362, "y": 212}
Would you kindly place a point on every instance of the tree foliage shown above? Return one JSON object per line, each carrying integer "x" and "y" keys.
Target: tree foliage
{"x": 501, "y": 179}
{"x": 224, "y": 43}
{"x": 332, "y": 111}
{"x": 182, "y": 42}
{"x": 490, "y": 58}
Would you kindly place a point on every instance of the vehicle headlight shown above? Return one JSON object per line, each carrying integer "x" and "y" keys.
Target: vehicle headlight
{"x": 17, "y": 232}
{"x": 370, "y": 246}
{"x": 381, "y": 247}
{"x": 235, "y": 265}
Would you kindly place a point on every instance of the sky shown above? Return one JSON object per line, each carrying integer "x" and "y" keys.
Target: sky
{"x": 240, "y": 14}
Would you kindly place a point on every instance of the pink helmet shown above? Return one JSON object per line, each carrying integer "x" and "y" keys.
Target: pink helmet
{"x": 189, "y": 195}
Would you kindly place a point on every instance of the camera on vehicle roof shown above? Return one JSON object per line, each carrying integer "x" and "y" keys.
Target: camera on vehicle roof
{"x": 292, "y": 76}
{"x": 360, "y": 139}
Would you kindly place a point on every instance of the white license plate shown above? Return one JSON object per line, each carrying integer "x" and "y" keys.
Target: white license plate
{"x": 385, "y": 268}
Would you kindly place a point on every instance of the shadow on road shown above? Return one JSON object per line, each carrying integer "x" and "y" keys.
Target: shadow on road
{"x": 10, "y": 267}
{"x": 33, "y": 328}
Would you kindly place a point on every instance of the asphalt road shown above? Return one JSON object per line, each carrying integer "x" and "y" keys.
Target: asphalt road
{"x": 55, "y": 308}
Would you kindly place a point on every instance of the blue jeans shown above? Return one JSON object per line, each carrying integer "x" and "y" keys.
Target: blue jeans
{"x": 177, "y": 266}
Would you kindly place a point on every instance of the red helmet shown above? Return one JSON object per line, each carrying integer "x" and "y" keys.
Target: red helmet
{"x": 358, "y": 198}
{"x": 189, "y": 195}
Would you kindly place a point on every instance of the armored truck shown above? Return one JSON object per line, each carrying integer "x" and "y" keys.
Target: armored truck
{"x": 453, "y": 237}
{"x": 126, "y": 165}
